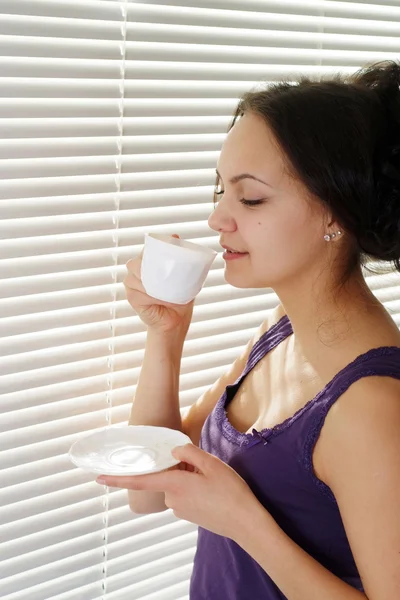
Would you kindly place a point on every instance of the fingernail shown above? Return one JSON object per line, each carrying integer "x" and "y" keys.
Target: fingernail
{"x": 101, "y": 480}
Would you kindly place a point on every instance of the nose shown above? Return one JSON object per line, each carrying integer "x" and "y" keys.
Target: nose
{"x": 221, "y": 220}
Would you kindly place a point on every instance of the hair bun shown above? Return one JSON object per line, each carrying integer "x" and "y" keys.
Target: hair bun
{"x": 382, "y": 238}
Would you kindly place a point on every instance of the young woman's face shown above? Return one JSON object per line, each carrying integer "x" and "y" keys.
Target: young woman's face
{"x": 283, "y": 233}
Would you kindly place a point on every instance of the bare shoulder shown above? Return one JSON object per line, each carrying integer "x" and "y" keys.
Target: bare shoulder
{"x": 366, "y": 415}
{"x": 367, "y": 399}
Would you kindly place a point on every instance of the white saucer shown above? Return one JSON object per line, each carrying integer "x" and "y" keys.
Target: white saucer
{"x": 128, "y": 450}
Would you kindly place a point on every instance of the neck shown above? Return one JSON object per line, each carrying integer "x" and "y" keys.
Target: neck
{"x": 325, "y": 322}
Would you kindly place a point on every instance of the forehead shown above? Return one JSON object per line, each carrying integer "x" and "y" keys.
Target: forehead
{"x": 251, "y": 147}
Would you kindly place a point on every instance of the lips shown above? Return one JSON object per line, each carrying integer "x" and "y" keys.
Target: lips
{"x": 233, "y": 250}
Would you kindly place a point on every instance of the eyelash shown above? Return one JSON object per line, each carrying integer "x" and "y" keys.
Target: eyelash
{"x": 244, "y": 201}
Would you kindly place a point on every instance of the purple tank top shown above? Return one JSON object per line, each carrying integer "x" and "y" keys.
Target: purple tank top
{"x": 277, "y": 465}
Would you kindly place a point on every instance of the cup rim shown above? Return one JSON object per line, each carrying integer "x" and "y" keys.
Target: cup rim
{"x": 163, "y": 237}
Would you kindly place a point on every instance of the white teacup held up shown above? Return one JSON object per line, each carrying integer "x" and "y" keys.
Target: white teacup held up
{"x": 174, "y": 270}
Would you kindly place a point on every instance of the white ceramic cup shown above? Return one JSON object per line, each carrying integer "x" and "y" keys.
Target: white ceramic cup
{"x": 174, "y": 270}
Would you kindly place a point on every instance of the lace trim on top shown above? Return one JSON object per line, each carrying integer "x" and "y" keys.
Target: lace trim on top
{"x": 283, "y": 329}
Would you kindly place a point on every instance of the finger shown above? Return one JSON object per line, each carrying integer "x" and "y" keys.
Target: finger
{"x": 193, "y": 455}
{"x": 133, "y": 283}
{"x": 154, "y": 482}
{"x": 134, "y": 266}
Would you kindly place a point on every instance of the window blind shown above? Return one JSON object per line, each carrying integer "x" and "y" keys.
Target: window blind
{"x": 112, "y": 116}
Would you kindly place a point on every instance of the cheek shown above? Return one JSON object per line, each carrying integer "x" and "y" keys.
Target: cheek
{"x": 285, "y": 244}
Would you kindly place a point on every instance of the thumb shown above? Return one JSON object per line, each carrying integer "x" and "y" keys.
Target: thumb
{"x": 193, "y": 455}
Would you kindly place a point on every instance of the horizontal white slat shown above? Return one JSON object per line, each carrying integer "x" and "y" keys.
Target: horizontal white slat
{"x": 267, "y": 54}
{"x": 35, "y": 148}
{"x": 68, "y": 243}
{"x": 225, "y": 72}
{"x": 29, "y": 227}
{"x": 47, "y": 127}
{"x": 41, "y": 284}
{"x": 44, "y": 128}
{"x": 43, "y": 108}
{"x": 38, "y": 66}
{"x": 309, "y": 18}
{"x": 284, "y": 7}
{"x": 34, "y": 46}
{"x": 169, "y": 593}
{"x": 108, "y": 107}
{"x": 93, "y": 591}
{"x": 68, "y": 166}
{"x": 64, "y": 10}
{"x": 55, "y": 167}
{"x": 95, "y": 88}
{"x": 286, "y": 36}
{"x": 169, "y": 576}
{"x": 87, "y": 203}
{"x": 100, "y": 183}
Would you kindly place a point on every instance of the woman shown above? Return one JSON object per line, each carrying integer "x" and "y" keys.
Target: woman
{"x": 294, "y": 472}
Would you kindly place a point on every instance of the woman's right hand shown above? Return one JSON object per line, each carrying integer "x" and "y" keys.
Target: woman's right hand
{"x": 156, "y": 314}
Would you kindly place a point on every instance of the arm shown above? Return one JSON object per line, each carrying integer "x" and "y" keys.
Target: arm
{"x": 157, "y": 400}
{"x": 360, "y": 445}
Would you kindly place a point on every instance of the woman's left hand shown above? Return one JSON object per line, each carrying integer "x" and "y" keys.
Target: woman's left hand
{"x": 213, "y": 496}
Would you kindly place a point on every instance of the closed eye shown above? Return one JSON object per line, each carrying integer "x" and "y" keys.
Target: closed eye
{"x": 251, "y": 202}
{"x": 244, "y": 200}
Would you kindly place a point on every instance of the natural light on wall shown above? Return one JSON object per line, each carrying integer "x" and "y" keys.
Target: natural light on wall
{"x": 112, "y": 115}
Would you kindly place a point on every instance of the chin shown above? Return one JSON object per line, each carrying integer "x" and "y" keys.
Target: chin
{"x": 240, "y": 280}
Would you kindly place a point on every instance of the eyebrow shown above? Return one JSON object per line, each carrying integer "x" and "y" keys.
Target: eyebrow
{"x": 237, "y": 178}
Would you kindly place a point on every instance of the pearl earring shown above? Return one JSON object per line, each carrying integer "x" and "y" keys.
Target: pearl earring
{"x": 330, "y": 236}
